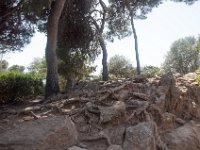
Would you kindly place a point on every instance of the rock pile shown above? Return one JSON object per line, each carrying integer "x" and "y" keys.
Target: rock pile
{"x": 160, "y": 113}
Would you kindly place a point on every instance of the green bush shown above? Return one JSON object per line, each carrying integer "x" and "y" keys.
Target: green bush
{"x": 15, "y": 86}
{"x": 150, "y": 71}
{"x": 198, "y": 80}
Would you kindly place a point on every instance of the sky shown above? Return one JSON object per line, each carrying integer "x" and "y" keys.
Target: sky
{"x": 167, "y": 23}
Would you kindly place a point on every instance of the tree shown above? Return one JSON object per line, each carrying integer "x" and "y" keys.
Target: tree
{"x": 183, "y": 56}
{"x": 150, "y": 71}
{"x": 52, "y": 84}
{"x": 13, "y": 31}
{"x": 99, "y": 26}
{"x": 19, "y": 19}
{"x": 17, "y": 68}
{"x": 120, "y": 67}
{"x": 3, "y": 65}
{"x": 133, "y": 9}
{"x": 198, "y": 44}
{"x": 17, "y": 25}
{"x": 75, "y": 51}
{"x": 39, "y": 65}
{"x": 189, "y": 2}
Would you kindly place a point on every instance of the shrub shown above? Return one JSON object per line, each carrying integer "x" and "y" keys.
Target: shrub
{"x": 15, "y": 86}
{"x": 120, "y": 67}
{"x": 198, "y": 80}
{"x": 150, "y": 71}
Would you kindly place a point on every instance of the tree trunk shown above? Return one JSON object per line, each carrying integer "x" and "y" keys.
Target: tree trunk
{"x": 136, "y": 46}
{"x": 70, "y": 85}
{"x": 52, "y": 86}
{"x": 104, "y": 60}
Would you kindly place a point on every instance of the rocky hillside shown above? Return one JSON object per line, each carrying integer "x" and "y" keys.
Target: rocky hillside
{"x": 161, "y": 113}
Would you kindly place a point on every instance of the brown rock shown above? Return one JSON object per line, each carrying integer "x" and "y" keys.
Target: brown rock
{"x": 76, "y": 148}
{"x": 190, "y": 76}
{"x": 140, "y": 137}
{"x": 112, "y": 113}
{"x": 114, "y": 147}
{"x": 53, "y": 133}
{"x": 167, "y": 80}
{"x": 186, "y": 137}
{"x": 167, "y": 120}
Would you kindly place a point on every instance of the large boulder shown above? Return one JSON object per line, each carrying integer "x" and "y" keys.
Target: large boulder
{"x": 114, "y": 147}
{"x": 186, "y": 137}
{"x": 140, "y": 137}
{"x": 53, "y": 133}
{"x": 76, "y": 148}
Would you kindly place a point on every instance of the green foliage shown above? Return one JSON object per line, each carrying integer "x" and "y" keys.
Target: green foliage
{"x": 120, "y": 14}
{"x": 76, "y": 66}
{"x": 77, "y": 41}
{"x": 3, "y": 65}
{"x": 183, "y": 56}
{"x": 19, "y": 19}
{"x": 189, "y": 2}
{"x": 38, "y": 65}
{"x": 150, "y": 71}
{"x": 198, "y": 80}
{"x": 15, "y": 86}
{"x": 17, "y": 68}
{"x": 120, "y": 67}
{"x": 197, "y": 71}
{"x": 198, "y": 44}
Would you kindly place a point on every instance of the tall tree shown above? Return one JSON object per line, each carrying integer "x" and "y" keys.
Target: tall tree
{"x": 134, "y": 9}
{"x": 17, "y": 25}
{"x": 183, "y": 56}
{"x": 100, "y": 29}
{"x": 52, "y": 86}
{"x": 76, "y": 50}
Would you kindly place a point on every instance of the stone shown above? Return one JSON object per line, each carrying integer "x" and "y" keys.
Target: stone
{"x": 112, "y": 113}
{"x": 167, "y": 80}
{"x": 140, "y": 79}
{"x": 140, "y": 137}
{"x": 186, "y": 137}
{"x": 191, "y": 75}
{"x": 76, "y": 148}
{"x": 159, "y": 95}
{"x": 114, "y": 147}
{"x": 53, "y": 133}
{"x": 167, "y": 120}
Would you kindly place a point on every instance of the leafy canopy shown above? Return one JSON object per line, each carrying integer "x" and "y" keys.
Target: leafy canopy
{"x": 120, "y": 67}
{"x": 38, "y": 65}
{"x": 3, "y": 65}
{"x": 150, "y": 71}
{"x": 183, "y": 56}
{"x": 17, "y": 68}
{"x": 18, "y": 21}
{"x": 77, "y": 40}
